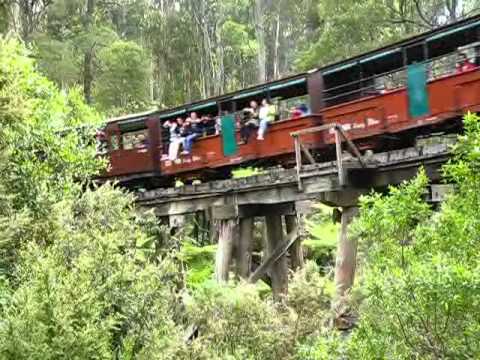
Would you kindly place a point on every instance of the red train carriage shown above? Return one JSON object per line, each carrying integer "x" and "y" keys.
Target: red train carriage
{"x": 414, "y": 84}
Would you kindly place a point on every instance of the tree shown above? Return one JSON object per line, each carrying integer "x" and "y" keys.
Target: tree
{"x": 122, "y": 84}
{"x": 348, "y": 28}
{"x": 421, "y": 281}
{"x": 38, "y": 166}
{"x": 81, "y": 273}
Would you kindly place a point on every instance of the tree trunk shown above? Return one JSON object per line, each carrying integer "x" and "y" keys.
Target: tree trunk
{"x": 88, "y": 55}
{"x": 260, "y": 35}
{"x": 244, "y": 247}
{"x": 276, "y": 57}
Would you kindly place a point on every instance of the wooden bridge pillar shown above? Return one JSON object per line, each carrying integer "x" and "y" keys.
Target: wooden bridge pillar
{"x": 279, "y": 269}
{"x": 296, "y": 251}
{"x": 345, "y": 265}
{"x": 243, "y": 249}
{"x": 226, "y": 233}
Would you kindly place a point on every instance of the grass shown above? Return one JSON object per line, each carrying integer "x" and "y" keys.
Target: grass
{"x": 246, "y": 172}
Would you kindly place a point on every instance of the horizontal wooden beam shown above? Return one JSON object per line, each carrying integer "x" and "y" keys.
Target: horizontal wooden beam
{"x": 223, "y": 212}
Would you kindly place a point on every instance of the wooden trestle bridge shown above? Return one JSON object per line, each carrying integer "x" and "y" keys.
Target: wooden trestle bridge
{"x": 288, "y": 193}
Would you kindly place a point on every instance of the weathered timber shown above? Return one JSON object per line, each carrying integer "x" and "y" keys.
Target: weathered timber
{"x": 279, "y": 251}
{"x": 226, "y": 233}
{"x": 279, "y": 269}
{"x": 243, "y": 250}
{"x": 345, "y": 265}
{"x": 281, "y": 186}
{"x": 296, "y": 251}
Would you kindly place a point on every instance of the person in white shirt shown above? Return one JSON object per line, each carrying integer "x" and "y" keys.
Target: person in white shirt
{"x": 266, "y": 115}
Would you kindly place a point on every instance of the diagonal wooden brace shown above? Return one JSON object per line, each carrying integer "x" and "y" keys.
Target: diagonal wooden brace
{"x": 279, "y": 251}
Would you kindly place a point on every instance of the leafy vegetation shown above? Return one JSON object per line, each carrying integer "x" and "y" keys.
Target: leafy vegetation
{"x": 420, "y": 283}
{"x": 129, "y": 55}
{"x": 84, "y": 274}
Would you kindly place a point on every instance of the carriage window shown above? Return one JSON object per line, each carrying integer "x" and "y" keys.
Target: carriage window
{"x": 135, "y": 139}
{"x": 292, "y": 107}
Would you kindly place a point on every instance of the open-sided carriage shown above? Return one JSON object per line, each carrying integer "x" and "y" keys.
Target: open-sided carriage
{"x": 383, "y": 98}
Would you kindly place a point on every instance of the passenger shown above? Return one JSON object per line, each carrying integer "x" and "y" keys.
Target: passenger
{"x": 464, "y": 64}
{"x": 299, "y": 111}
{"x": 477, "y": 55}
{"x": 208, "y": 125}
{"x": 141, "y": 142}
{"x": 175, "y": 139}
{"x": 193, "y": 129}
{"x": 102, "y": 146}
{"x": 266, "y": 115}
{"x": 218, "y": 125}
{"x": 249, "y": 121}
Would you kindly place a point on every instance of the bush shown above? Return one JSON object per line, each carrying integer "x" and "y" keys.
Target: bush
{"x": 92, "y": 292}
{"x": 421, "y": 274}
{"x": 199, "y": 262}
{"x": 234, "y": 322}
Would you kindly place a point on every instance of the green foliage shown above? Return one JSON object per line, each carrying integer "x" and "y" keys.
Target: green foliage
{"x": 235, "y": 322}
{"x": 122, "y": 84}
{"x": 92, "y": 292}
{"x": 421, "y": 282}
{"x": 258, "y": 332}
{"x": 246, "y": 172}
{"x": 350, "y": 27}
{"x": 38, "y": 166}
{"x": 81, "y": 272}
{"x": 322, "y": 236}
{"x": 199, "y": 262}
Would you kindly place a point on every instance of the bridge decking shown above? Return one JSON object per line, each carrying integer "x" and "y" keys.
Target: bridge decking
{"x": 319, "y": 182}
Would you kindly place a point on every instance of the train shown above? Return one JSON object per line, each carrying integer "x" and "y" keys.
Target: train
{"x": 382, "y": 99}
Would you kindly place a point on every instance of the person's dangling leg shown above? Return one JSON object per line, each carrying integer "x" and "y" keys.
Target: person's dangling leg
{"x": 188, "y": 143}
{"x": 245, "y": 132}
{"x": 173, "y": 148}
{"x": 262, "y": 129}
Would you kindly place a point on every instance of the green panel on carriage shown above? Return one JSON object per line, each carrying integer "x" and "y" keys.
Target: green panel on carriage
{"x": 228, "y": 135}
{"x": 418, "y": 104}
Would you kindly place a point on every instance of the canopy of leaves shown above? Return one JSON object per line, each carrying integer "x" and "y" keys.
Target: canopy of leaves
{"x": 123, "y": 77}
{"x": 420, "y": 271}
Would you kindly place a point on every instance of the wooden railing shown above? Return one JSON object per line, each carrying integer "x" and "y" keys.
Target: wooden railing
{"x": 340, "y": 136}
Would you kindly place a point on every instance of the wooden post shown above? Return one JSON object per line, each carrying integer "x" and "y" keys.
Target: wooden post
{"x": 296, "y": 251}
{"x": 226, "y": 234}
{"x": 279, "y": 270}
{"x": 338, "y": 148}
{"x": 345, "y": 264}
{"x": 243, "y": 252}
{"x": 298, "y": 160}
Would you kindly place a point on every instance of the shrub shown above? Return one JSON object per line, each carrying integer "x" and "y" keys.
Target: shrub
{"x": 421, "y": 271}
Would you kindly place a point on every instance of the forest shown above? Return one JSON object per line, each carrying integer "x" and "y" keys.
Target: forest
{"x": 132, "y": 55}
{"x": 85, "y": 274}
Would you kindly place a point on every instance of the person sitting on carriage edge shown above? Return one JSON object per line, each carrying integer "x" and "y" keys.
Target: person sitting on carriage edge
{"x": 248, "y": 121}
{"x": 266, "y": 115}
{"x": 175, "y": 139}
{"x": 192, "y": 129}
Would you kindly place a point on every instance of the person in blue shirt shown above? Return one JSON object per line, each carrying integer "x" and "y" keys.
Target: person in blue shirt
{"x": 192, "y": 130}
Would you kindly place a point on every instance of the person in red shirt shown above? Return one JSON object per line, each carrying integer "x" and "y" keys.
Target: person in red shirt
{"x": 464, "y": 64}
